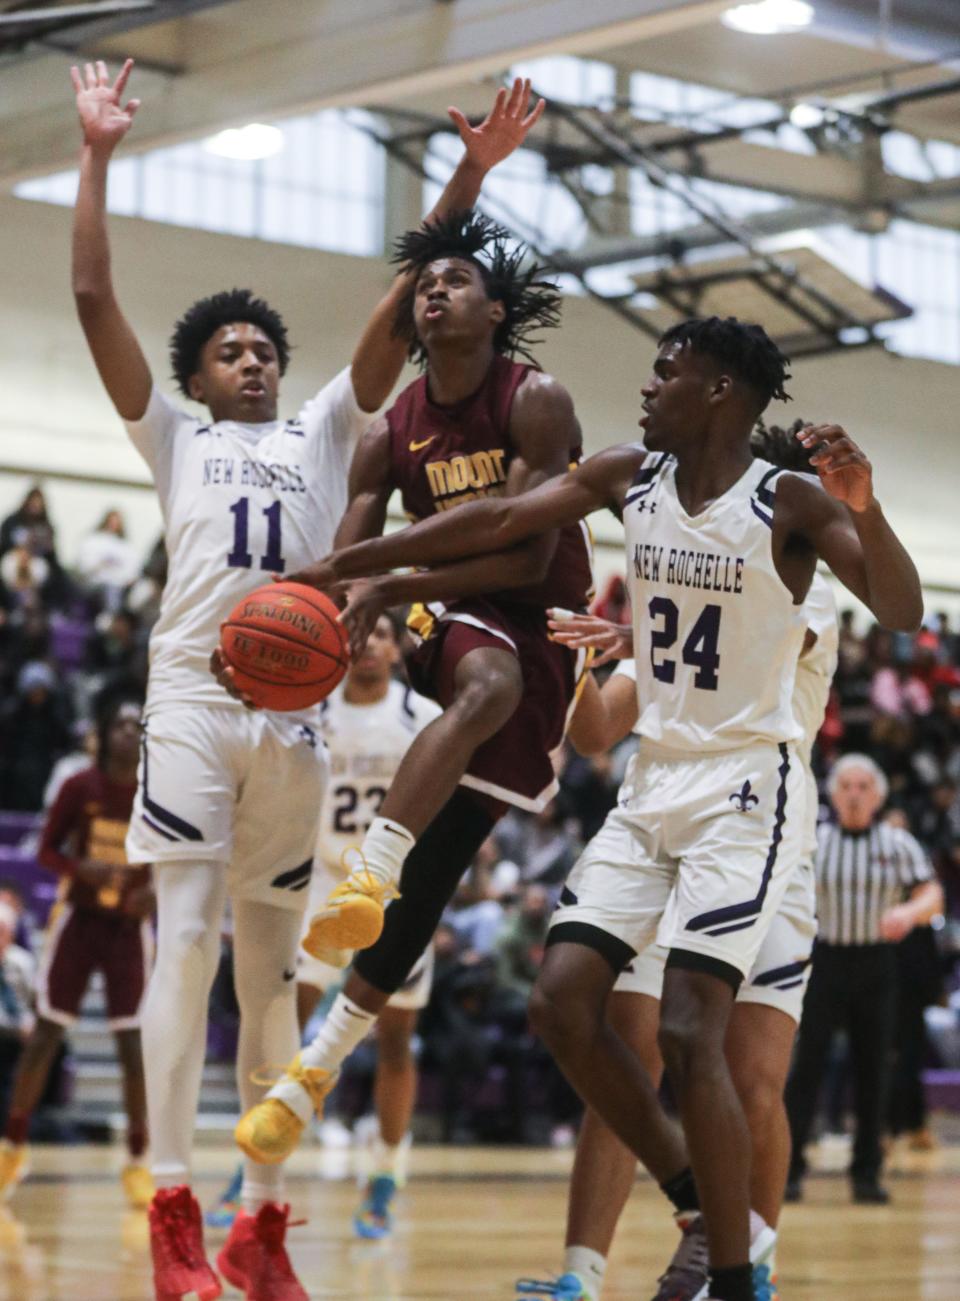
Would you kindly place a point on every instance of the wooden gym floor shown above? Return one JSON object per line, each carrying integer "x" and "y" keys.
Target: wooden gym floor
{"x": 470, "y": 1221}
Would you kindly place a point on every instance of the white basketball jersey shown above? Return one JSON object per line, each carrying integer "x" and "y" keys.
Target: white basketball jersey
{"x": 811, "y": 690}
{"x": 717, "y": 635}
{"x": 366, "y": 744}
{"x": 240, "y": 503}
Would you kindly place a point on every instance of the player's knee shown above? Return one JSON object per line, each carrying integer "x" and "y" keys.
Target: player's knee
{"x": 684, "y": 1046}
{"x": 486, "y": 701}
{"x": 761, "y": 1095}
{"x": 557, "y": 1018}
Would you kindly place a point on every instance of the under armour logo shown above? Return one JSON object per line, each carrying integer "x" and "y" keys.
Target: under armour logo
{"x": 646, "y": 504}
{"x": 744, "y": 799}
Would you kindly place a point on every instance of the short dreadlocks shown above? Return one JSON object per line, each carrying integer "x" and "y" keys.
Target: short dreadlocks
{"x": 747, "y": 351}
{"x": 530, "y": 302}
{"x": 201, "y": 321}
{"x": 782, "y": 447}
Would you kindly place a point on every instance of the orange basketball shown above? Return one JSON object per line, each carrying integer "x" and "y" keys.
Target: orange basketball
{"x": 285, "y": 645}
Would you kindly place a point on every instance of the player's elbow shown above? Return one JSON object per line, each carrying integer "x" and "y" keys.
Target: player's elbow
{"x": 89, "y": 300}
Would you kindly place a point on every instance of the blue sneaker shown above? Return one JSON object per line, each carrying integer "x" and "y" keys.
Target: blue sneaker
{"x": 764, "y": 1283}
{"x": 568, "y": 1287}
{"x": 227, "y": 1208}
{"x": 373, "y": 1219}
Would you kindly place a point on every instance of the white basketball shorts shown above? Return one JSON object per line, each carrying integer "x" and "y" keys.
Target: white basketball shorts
{"x": 697, "y": 853}
{"x": 231, "y": 786}
{"x": 412, "y": 995}
{"x": 779, "y": 976}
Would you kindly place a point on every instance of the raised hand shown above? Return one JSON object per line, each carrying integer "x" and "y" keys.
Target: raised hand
{"x": 844, "y": 470}
{"x": 103, "y": 119}
{"x": 614, "y": 641}
{"x": 503, "y": 130}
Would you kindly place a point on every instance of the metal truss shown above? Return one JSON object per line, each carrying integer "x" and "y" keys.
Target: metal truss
{"x": 673, "y": 159}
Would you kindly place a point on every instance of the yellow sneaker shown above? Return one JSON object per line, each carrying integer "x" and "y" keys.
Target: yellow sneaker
{"x": 14, "y": 1166}
{"x": 137, "y": 1185}
{"x": 352, "y": 917}
{"x": 270, "y": 1131}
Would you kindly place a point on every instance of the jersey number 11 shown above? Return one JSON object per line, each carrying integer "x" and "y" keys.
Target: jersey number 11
{"x": 240, "y": 558}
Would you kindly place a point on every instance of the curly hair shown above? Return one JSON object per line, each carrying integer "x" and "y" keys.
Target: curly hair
{"x": 530, "y": 302}
{"x": 781, "y": 447}
{"x": 201, "y": 321}
{"x": 746, "y": 350}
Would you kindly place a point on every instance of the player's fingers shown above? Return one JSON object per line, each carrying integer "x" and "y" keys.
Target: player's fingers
{"x": 76, "y": 79}
{"x": 123, "y": 76}
{"x": 534, "y": 117}
{"x": 103, "y": 77}
{"x": 132, "y": 107}
{"x": 459, "y": 121}
{"x": 516, "y": 93}
{"x": 843, "y": 463}
{"x": 91, "y": 76}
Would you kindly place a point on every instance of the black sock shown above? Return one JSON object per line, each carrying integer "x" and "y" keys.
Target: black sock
{"x": 732, "y": 1284}
{"x": 682, "y": 1191}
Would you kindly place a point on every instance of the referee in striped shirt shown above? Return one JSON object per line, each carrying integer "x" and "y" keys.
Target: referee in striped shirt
{"x": 874, "y": 884}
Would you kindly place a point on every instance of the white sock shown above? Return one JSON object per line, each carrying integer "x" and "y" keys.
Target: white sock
{"x": 265, "y": 941}
{"x": 388, "y": 1158}
{"x": 190, "y": 902}
{"x": 589, "y": 1266}
{"x": 384, "y": 848}
{"x": 346, "y": 1024}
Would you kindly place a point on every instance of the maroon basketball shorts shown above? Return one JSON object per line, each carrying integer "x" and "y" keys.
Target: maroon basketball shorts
{"x": 81, "y": 941}
{"x": 514, "y": 766}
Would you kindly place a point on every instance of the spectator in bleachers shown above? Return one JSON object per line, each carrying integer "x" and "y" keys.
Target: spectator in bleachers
{"x": 16, "y": 1000}
{"x": 28, "y": 531}
{"x": 111, "y": 650}
{"x": 520, "y": 944}
{"x": 107, "y": 562}
{"x": 34, "y": 733}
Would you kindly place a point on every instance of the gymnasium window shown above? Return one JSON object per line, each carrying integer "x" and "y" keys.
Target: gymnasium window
{"x": 324, "y": 189}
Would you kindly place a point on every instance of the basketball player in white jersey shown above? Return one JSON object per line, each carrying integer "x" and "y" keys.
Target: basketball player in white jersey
{"x": 721, "y": 550}
{"x": 764, "y": 1021}
{"x": 368, "y": 724}
{"x": 227, "y": 799}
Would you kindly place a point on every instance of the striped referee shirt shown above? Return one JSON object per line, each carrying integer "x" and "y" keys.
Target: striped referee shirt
{"x": 860, "y": 874}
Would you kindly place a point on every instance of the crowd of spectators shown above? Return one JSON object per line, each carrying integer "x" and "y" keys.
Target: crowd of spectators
{"x": 70, "y": 632}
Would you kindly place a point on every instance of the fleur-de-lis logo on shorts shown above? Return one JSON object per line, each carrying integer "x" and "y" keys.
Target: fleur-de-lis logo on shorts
{"x": 744, "y": 798}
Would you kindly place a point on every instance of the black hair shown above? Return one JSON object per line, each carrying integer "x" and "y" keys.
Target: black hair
{"x": 201, "y": 321}
{"x": 530, "y": 302}
{"x": 746, "y": 350}
{"x": 106, "y": 717}
{"x": 781, "y": 446}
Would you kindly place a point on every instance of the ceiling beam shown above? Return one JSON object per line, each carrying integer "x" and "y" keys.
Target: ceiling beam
{"x": 326, "y": 55}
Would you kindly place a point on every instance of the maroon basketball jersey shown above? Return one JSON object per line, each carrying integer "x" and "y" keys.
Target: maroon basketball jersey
{"x": 89, "y": 819}
{"x": 444, "y": 456}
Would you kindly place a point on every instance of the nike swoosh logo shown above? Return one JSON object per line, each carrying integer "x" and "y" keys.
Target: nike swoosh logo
{"x": 289, "y": 975}
{"x": 418, "y": 447}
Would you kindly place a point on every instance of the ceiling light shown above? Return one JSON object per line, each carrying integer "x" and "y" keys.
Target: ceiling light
{"x": 769, "y": 17}
{"x": 255, "y": 140}
{"x": 806, "y": 116}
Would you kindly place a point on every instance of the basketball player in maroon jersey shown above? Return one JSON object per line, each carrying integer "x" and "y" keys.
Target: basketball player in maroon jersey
{"x": 100, "y": 923}
{"x": 475, "y": 424}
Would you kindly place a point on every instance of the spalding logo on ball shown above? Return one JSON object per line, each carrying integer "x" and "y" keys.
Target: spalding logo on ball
{"x": 286, "y": 646}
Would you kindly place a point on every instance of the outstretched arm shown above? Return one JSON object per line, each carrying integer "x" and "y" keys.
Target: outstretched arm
{"x": 116, "y": 352}
{"x": 493, "y": 524}
{"x": 847, "y": 529}
{"x": 381, "y": 353}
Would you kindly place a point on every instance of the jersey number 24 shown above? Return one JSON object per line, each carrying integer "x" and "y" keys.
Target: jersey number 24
{"x": 699, "y": 650}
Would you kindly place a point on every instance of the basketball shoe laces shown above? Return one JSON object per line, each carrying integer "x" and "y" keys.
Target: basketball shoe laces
{"x": 381, "y": 891}
{"x": 180, "y": 1242}
{"x": 689, "y": 1269}
{"x": 316, "y": 1081}
{"x": 272, "y": 1224}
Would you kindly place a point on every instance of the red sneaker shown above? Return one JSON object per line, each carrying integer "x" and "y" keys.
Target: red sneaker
{"x": 180, "y": 1267}
{"x": 255, "y": 1260}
